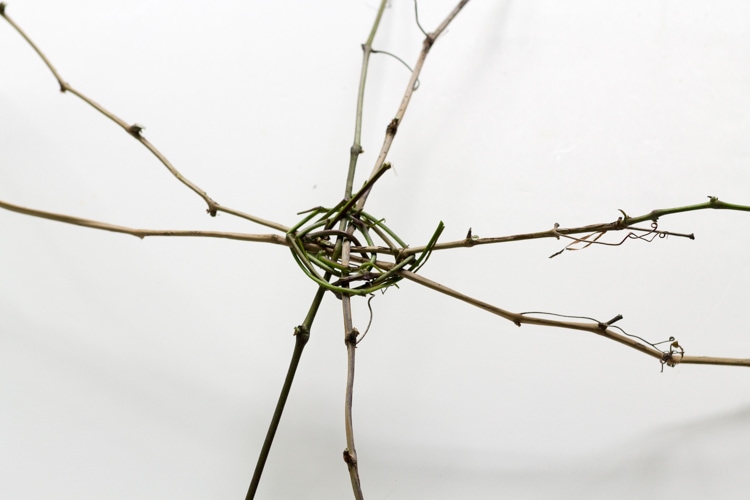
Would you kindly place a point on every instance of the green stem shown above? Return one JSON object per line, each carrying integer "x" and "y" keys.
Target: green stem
{"x": 356, "y": 148}
{"x": 618, "y": 225}
{"x": 713, "y": 202}
{"x": 301, "y": 335}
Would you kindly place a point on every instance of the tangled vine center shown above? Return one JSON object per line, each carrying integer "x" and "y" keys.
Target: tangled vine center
{"x": 316, "y": 244}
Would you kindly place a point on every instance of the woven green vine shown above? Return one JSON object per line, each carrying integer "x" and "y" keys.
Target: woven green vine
{"x": 315, "y": 250}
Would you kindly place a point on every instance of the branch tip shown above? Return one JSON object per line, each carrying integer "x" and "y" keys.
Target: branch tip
{"x": 2, "y": 8}
{"x": 609, "y": 323}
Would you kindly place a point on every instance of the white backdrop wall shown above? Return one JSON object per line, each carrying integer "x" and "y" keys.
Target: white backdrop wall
{"x": 149, "y": 369}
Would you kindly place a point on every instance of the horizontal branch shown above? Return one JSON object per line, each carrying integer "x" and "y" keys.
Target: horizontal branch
{"x": 142, "y": 233}
{"x": 601, "y": 329}
{"x": 621, "y": 223}
{"x": 136, "y": 131}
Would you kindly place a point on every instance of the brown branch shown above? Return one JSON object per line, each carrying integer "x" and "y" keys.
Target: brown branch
{"x": 393, "y": 126}
{"x": 142, "y": 233}
{"x": 136, "y": 131}
{"x": 556, "y": 232}
{"x": 350, "y": 333}
{"x": 601, "y": 329}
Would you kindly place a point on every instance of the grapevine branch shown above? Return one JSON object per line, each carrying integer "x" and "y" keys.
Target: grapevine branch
{"x": 141, "y": 233}
{"x": 349, "y": 225}
{"x": 598, "y": 328}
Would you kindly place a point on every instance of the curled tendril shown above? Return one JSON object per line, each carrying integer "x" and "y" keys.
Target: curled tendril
{"x": 636, "y": 233}
{"x": 416, "y": 19}
{"x": 416, "y": 83}
{"x": 670, "y": 357}
{"x": 317, "y": 254}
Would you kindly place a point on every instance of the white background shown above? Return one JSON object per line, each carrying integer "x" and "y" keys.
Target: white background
{"x": 149, "y": 369}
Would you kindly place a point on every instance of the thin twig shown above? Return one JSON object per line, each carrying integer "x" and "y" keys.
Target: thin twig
{"x": 350, "y": 454}
{"x": 410, "y": 88}
{"x": 350, "y": 336}
{"x": 301, "y": 336}
{"x": 556, "y": 232}
{"x": 142, "y": 233}
{"x": 136, "y": 131}
{"x": 519, "y": 319}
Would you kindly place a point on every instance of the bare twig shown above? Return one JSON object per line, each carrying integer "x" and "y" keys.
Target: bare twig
{"x": 136, "y": 131}
{"x": 301, "y": 336}
{"x": 602, "y": 329}
{"x": 142, "y": 233}
{"x": 350, "y": 454}
{"x": 392, "y": 127}
{"x": 556, "y": 232}
{"x": 350, "y": 333}
{"x": 350, "y": 339}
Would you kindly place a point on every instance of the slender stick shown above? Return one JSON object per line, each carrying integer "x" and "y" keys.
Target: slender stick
{"x": 556, "y": 232}
{"x": 142, "y": 233}
{"x": 350, "y": 453}
{"x": 356, "y": 148}
{"x": 301, "y": 336}
{"x": 350, "y": 333}
{"x": 136, "y": 131}
{"x": 410, "y": 87}
{"x": 597, "y": 328}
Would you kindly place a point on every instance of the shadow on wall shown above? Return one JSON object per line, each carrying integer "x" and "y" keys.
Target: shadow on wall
{"x": 696, "y": 460}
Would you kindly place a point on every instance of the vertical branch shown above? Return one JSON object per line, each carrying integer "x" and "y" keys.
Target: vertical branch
{"x": 350, "y": 333}
{"x": 410, "y": 87}
{"x": 350, "y": 453}
{"x": 356, "y": 148}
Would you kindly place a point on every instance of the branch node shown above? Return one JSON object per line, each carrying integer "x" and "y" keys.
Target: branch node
{"x": 135, "y": 130}
{"x": 392, "y": 127}
{"x": 349, "y": 457}
{"x": 212, "y": 209}
{"x": 351, "y": 337}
